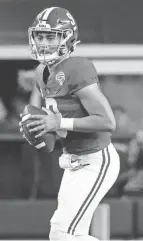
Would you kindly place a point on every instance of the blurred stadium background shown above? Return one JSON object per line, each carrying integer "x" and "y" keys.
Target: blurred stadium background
{"x": 111, "y": 35}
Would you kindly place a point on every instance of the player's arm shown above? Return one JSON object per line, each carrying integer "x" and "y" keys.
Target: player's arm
{"x": 35, "y": 98}
{"x": 100, "y": 117}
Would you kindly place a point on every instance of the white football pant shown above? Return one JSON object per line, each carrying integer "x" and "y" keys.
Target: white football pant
{"x": 81, "y": 192}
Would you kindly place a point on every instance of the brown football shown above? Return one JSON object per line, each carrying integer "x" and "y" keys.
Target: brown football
{"x": 44, "y": 143}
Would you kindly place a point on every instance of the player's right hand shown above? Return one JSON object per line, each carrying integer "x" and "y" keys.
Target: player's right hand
{"x": 20, "y": 125}
{"x": 22, "y": 131}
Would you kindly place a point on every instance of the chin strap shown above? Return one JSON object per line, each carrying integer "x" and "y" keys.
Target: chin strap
{"x": 74, "y": 46}
{"x": 60, "y": 59}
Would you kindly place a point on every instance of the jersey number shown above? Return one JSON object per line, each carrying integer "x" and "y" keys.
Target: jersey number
{"x": 71, "y": 18}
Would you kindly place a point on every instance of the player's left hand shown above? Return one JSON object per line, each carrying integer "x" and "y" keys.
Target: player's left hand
{"x": 44, "y": 123}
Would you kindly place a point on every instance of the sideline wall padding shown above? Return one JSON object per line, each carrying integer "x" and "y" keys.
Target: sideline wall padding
{"x": 26, "y": 218}
{"x": 121, "y": 220}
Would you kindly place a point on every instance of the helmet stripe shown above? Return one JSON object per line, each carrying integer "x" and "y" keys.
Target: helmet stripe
{"x": 42, "y": 14}
{"x": 46, "y": 14}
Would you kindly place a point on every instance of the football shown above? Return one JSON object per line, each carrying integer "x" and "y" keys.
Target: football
{"x": 45, "y": 142}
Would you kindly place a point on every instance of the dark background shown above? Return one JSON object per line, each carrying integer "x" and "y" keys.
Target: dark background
{"x": 100, "y": 21}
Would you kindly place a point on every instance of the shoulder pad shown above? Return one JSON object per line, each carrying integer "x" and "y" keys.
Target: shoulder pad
{"x": 82, "y": 74}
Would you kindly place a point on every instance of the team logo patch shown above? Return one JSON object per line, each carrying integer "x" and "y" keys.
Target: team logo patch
{"x": 60, "y": 78}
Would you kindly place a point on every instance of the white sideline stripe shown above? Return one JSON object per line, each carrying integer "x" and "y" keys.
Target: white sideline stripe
{"x": 24, "y": 118}
{"x": 119, "y": 67}
{"x": 102, "y": 240}
{"x": 42, "y": 144}
{"x": 85, "y": 50}
{"x": 104, "y": 66}
{"x": 109, "y": 50}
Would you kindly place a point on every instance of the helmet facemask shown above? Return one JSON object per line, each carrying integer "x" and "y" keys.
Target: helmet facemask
{"x": 49, "y": 53}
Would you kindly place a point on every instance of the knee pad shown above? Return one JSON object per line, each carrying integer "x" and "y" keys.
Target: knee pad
{"x": 54, "y": 234}
{"x": 58, "y": 235}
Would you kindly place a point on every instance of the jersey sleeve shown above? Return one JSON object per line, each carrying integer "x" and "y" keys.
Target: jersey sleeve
{"x": 82, "y": 75}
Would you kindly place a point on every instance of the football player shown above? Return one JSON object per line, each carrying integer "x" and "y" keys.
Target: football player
{"x": 80, "y": 114}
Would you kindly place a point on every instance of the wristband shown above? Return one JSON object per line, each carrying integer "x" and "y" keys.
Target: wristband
{"x": 67, "y": 123}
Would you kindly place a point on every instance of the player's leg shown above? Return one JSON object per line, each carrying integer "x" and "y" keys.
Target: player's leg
{"x": 80, "y": 193}
{"x": 56, "y": 235}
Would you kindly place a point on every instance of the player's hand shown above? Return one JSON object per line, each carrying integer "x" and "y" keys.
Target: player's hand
{"x": 44, "y": 123}
{"x": 20, "y": 125}
{"x": 22, "y": 131}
